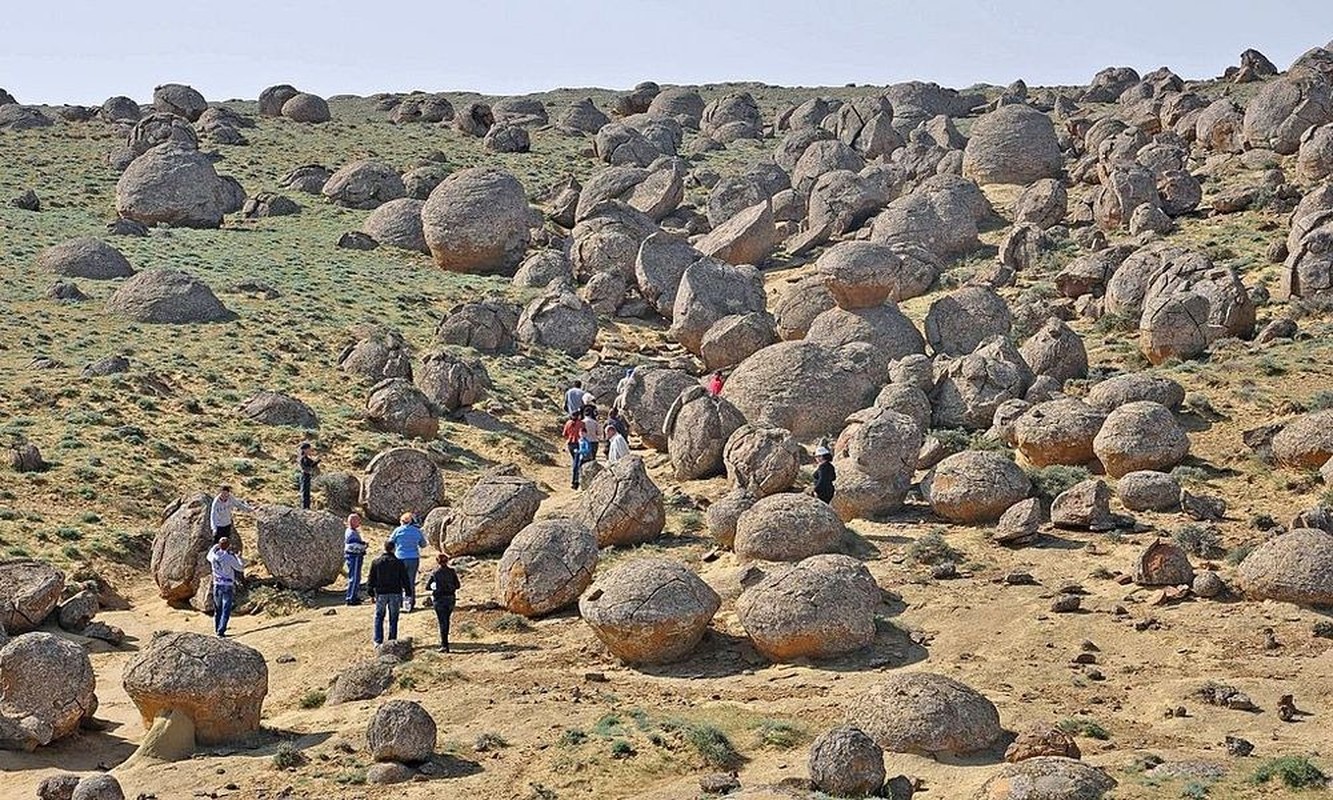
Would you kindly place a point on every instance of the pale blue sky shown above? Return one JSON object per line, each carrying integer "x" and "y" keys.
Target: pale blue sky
{"x": 82, "y": 51}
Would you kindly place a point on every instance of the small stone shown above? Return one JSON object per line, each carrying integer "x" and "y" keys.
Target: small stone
{"x": 944, "y": 571}
{"x": 388, "y": 773}
{"x": 1066, "y": 603}
{"x": 1020, "y": 579}
{"x": 1286, "y": 708}
{"x": 355, "y": 240}
{"x": 1085, "y": 658}
{"x": 1238, "y": 747}
{"x": 1207, "y": 584}
{"x": 719, "y": 783}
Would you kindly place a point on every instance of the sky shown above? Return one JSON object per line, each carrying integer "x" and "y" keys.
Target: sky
{"x": 83, "y": 51}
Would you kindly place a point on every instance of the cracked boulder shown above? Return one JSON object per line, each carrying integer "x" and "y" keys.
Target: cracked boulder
{"x": 622, "y": 505}
{"x": 29, "y": 592}
{"x": 546, "y": 567}
{"x": 822, "y": 607}
{"x": 47, "y": 688}
{"x": 650, "y": 610}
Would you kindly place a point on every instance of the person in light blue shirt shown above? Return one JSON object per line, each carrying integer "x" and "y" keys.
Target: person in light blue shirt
{"x": 407, "y": 541}
{"x": 354, "y": 551}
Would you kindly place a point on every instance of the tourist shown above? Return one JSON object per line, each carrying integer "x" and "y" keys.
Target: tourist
{"x": 387, "y": 583}
{"x": 574, "y": 398}
{"x": 573, "y": 433}
{"x": 309, "y": 466}
{"x": 715, "y": 383}
{"x": 226, "y": 567}
{"x": 825, "y": 474}
{"x": 407, "y": 540}
{"x": 616, "y": 445}
{"x": 354, "y": 551}
{"x": 443, "y": 586}
{"x": 623, "y": 388}
{"x": 613, "y": 418}
{"x": 220, "y": 513}
{"x": 593, "y": 429}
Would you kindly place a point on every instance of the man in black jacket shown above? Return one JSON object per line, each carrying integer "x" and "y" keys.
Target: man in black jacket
{"x": 387, "y": 583}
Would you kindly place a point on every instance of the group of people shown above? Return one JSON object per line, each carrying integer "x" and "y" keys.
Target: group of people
{"x": 584, "y": 431}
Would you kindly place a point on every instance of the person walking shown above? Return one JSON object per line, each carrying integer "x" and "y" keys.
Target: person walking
{"x": 623, "y": 387}
{"x": 227, "y": 568}
{"x": 613, "y": 418}
{"x": 573, "y": 433}
{"x": 443, "y": 586}
{"x": 309, "y": 465}
{"x": 387, "y": 583}
{"x": 220, "y": 513}
{"x": 593, "y": 429}
{"x": 714, "y": 385}
{"x": 354, "y": 551}
{"x": 574, "y": 398}
{"x": 407, "y": 541}
{"x": 825, "y": 474}
{"x": 616, "y": 446}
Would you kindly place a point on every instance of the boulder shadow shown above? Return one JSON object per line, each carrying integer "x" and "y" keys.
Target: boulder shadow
{"x": 489, "y": 647}
{"x": 443, "y": 766}
{"x": 719, "y": 655}
{"x": 86, "y": 751}
{"x": 892, "y": 648}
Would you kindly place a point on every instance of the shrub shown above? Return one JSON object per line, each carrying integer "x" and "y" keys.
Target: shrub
{"x": 712, "y": 745}
{"x": 313, "y": 699}
{"x": 511, "y": 623}
{"x": 1200, "y": 540}
{"x": 1322, "y": 400}
{"x": 621, "y": 749}
{"x": 1295, "y": 772}
{"x": 778, "y": 735}
{"x": 1051, "y": 481}
{"x": 287, "y": 756}
{"x": 573, "y": 737}
{"x": 488, "y": 741}
{"x": 1237, "y": 554}
{"x": 931, "y": 548}
{"x": 1083, "y": 726}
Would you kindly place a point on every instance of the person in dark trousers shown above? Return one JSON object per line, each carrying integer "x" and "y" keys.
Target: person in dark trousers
{"x": 573, "y": 435}
{"x": 825, "y": 475}
{"x": 574, "y": 398}
{"x": 443, "y": 586}
{"x": 387, "y": 583}
{"x": 309, "y": 466}
{"x": 354, "y": 551}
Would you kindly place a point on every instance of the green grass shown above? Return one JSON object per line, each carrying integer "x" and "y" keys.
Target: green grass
{"x": 776, "y": 734}
{"x": 1294, "y": 772}
{"x": 314, "y": 698}
{"x": 1083, "y": 726}
{"x": 931, "y": 548}
{"x": 1050, "y": 482}
{"x": 511, "y": 623}
{"x": 712, "y": 745}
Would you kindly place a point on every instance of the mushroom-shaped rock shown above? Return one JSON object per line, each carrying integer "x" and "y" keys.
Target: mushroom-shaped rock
{"x": 710, "y": 290}
{"x": 1112, "y": 393}
{"x": 546, "y": 567}
{"x": 398, "y": 480}
{"x": 29, "y": 592}
{"x": 398, "y": 406}
{"x": 1163, "y": 563}
{"x": 1306, "y": 442}
{"x": 1294, "y": 567}
{"x": 1057, "y": 351}
{"x": 490, "y": 514}
{"x": 958, "y": 322}
{"x": 969, "y": 390}
{"x": 762, "y": 461}
{"x": 218, "y": 683}
{"x": 168, "y": 297}
{"x": 378, "y": 355}
{"x": 561, "y": 321}
{"x": 364, "y": 184}
{"x": 401, "y": 731}
{"x": 1013, "y": 144}
{"x": 172, "y": 186}
{"x": 179, "y": 548}
{"x": 1138, "y": 436}
{"x": 1047, "y": 778}
{"x": 804, "y": 387}
{"x": 47, "y": 688}
{"x": 845, "y": 762}
{"x": 649, "y": 610}
{"x": 622, "y": 505}
{"x": 787, "y": 527}
{"x": 301, "y": 549}
{"x": 275, "y": 408}
{"x": 450, "y": 382}
{"x": 87, "y": 257}
{"x": 397, "y": 223}
{"x": 822, "y": 607}
{"x": 974, "y": 486}
{"x": 1058, "y": 431}
{"x": 926, "y": 713}
{"x": 306, "y": 107}
{"x": 697, "y": 427}
{"x": 179, "y": 99}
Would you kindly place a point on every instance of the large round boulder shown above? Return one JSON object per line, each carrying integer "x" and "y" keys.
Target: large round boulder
{"x": 272, "y": 99}
{"x": 401, "y": 731}
{"x": 450, "y": 382}
{"x": 546, "y": 567}
{"x": 490, "y": 514}
{"x": 961, "y": 320}
{"x": 275, "y": 408}
{"x": 1057, "y": 351}
{"x": 172, "y": 186}
{"x": 398, "y": 406}
{"x": 301, "y": 549}
{"x": 886, "y": 329}
{"x": 762, "y": 461}
{"x": 86, "y": 257}
{"x": 697, "y": 427}
{"x": 1013, "y": 144}
{"x": 649, "y": 610}
{"x": 622, "y": 505}
{"x": 399, "y": 480}
{"x": 1047, "y": 778}
{"x": 1147, "y": 490}
{"x": 821, "y": 607}
{"x": 29, "y": 592}
{"x": 177, "y": 562}
{"x": 845, "y": 762}
{"x": 1112, "y": 393}
{"x": 561, "y": 321}
{"x": 397, "y": 223}
{"x": 1294, "y": 567}
{"x": 1138, "y": 436}
{"x": 861, "y": 274}
{"x": 1306, "y": 442}
{"x": 975, "y": 486}
{"x": 306, "y": 107}
{"x": 803, "y": 387}
{"x": 1059, "y": 431}
{"x": 926, "y": 713}
{"x": 218, "y": 683}
{"x": 179, "y": 99}
{"x": 787, "y": 527}
{"x": 165, "y": 296}
{"x": 364, "y": 184}
{"x": 47, "y": 688}
{"x": 377, "y": 355}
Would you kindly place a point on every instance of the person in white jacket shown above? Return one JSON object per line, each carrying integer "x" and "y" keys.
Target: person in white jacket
{"x": 220, "y": 513}
{"x": 616, "y": 446}
{"x": 227, "y": 569}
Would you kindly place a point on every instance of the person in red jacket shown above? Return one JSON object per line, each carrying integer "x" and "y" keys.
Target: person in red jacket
{"x": 573, "y": 436}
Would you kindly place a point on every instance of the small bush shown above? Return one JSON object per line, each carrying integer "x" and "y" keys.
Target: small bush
{"x": 488, "y": 741}
{"x": 1200, "y": 540}
{"x": 778, "y": 735}
{"x": 1083, "y": 726}
{"x": 1237, "y": 554}
{"x": 1190, "y": 475}
{"x": 931, "y": 548}
{"x": 1295, "y": 772}
{"x": 609, "y": 726}
{"x": 313, "y": 699}
{"x": 511, "y": 623}
{"x": 1051, "y": 481}
{"x": 712, "y": 745}
{"x": 287, "y": 756}
{"x": 621, "y": 749}
{"x": 573, "y": 737}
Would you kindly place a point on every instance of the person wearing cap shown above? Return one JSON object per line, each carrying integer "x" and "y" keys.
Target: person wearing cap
{"x": 825, "y": 474}
{"x": 220, "y": 513}
{"x": 407, "y": 540}
{"x": 443, "y": 585}
{"x": 305, "y": 459}
{"x": 616, "y": 446}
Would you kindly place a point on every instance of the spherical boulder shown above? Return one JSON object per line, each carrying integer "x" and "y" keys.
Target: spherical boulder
{"x": 485, "y": 325}
{"x": 218, "y": 683}
{"x": 1294, "y": 567}
{"x": 1306, "y": 442}
{"x": 301, "y": 549}
{"x": 477, "y": 221}
{"x": 697, "y": 427}
{"x": 861, "y": 274}
{"x": 364, "y": 184}
{"x": 1147, "y": 490}
{"x": 710, "y": 290}
{"x": 1112, "y": 393}
{"x": 275, "y": 408}
{"x": 103, "y": 786}
{"x": 397, "y": 223}
{"x": 1140, "y": 436}
{"x": 1057, "y": 351}
{"x": 165, "y": 296}
{"x": 762, "y": 461}
{"x": 622, "y": 505}
{"x": 86, "y": 257}
{"x": 399, "y": 480}
{"x": 787, "y": 527}
{"x": 926, "y": 713}
{"x": 450, "y": 382}
{"x": 272, "y": 99}
{"x": 1013, "y": 144}
{"x": 649, "y": 610}
{"x": 890, "y": 334}
{"x": 1047, "y": 778}
{"x": 398, "y": 406}
{"x": 882, "y": 445}
{"x": 306, "y": 107}
{"x": 378, "y": 355}
{"x": 961, "y": 320}
{"x": 561, "y": 321}
{"x": 975, "y": 486}
{"x": 29, "y": 592}
{"x": 821, "y": 607}
{"x": 179, "y": 99}
{"x": 491, "y": 513}
{"x": 47, "y": 688}
{"x": 845, "y": 762}
{"x": 804, "y": 387}
{"x": 172, "y": 186}
{"x": 546, "y": 567}
{"x": 402, "y": 731}
{"x": 1043, "y": 204}
{"x": 1058, "y": 431}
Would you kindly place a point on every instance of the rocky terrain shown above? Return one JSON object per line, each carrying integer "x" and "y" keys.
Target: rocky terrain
{"x": 1069, "y": 346}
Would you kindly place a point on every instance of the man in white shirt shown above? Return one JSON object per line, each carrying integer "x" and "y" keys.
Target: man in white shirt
{"x": 226, "y": 567}
{"x": 220, "y": 514}
{"x": 616, "y": 446}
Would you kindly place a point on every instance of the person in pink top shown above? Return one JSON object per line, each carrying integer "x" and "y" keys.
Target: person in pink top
{"x": 714, "y": 384}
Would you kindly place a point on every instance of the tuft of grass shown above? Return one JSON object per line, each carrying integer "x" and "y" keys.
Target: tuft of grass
{"x": 931, "y": 548}
{"x": 1295, "y": 772}
{"x": 1237, "y": 554}
{"x": 1194, "y": 790}
{"x": 712, "y": 745}
{"x": 776, "y": 734}
{"x": 1322, "y": 400}
{"x": 621, "y": 749}
{"x": 1200, "y": 540}
{"x": 488, "y": 742}
{"x": 511, "y": 623}
{"x": 1084, "y": 726}
{"x": 287, "y": 756}
{"x": 609, "y": 726}
{"x": 572, "y": 737}
{"x": 1051, "y": 481}
{"x": 313, "y": 699}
